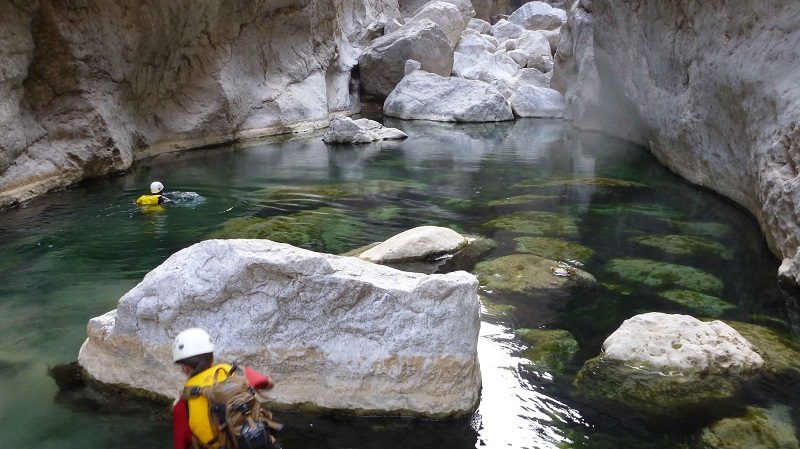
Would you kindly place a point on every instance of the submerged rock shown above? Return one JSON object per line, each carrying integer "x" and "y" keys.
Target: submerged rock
{"x": 334, "y": 332}
{"x": 665, "y": 275}
{"x": 699, "y": 303}
{"x": 415, "y": 244}
{"x": 685, "y": 245}
{"x": 780, "y": 354}
{"x": 581, "y": 182}
{"x": 536, "y": 223}
{"x": 530, "y": 275}
{"x": 555, "y": 249}
{"x": 427, "y": 96}
{"x": 669, "y": 367}
{"x": 347, "y": 130}
{"x": 549, "y": 349}
{"x": 525, "y": 200}
{"x": 768, "y": 428}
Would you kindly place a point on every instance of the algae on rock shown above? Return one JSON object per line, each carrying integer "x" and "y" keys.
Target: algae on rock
{"x": 699, "y": 303}
{"x": 536, "y": 223}
{"x": 665, "y": 275}
{"x": 525, "y": 200}
{"x": 758, "y": 428}
{"x": 550, "y": 349}
{"x": 324, "y": 229}
{"x": 529, "y": 274}
{"x": 780, "y": 354}
{"x": 554, "y": 248}
{"x": 685, "y": 245}
{"x": 581, "y": 182}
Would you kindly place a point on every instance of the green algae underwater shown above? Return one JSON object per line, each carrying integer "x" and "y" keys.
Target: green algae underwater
{"x": 536, "y": 188}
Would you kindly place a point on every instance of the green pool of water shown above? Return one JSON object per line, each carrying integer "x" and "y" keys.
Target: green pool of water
{"x": 70, "y": 255}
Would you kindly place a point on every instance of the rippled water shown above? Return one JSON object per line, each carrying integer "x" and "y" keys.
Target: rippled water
{"x": 69, "y": 256}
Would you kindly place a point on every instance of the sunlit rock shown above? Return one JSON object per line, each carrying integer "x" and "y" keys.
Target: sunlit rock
{"x": 382, "y": 64}
{"x": 347, "y": 130}
{"x": 669, "y": 367}
{"x": 444, "y": 14}
{"x": 417, "y": 243}
{"x": 333, "y": 332}
{"x": 665, "y": 275}
{"x": 532, "y": 101}
{"x": 427, "y": 96}
{"x": 538, "y": 16}
{"x": 771, "y": 427}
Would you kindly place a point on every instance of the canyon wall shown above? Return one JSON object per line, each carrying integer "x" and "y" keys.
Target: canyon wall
{"x": 89, "y": 86}
{"x": 709, "y": 86}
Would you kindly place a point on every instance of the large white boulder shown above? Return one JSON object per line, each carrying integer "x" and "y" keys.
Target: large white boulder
{"x": 472, "y": 44}
{"x": 444, "y": 14}
{"x": 363, "y": 130}
{"x": 415, "y": 244}
{"x": 479, "y": 25}
{"x": 427, "y": 96}
{"x": 530, "y": 49}
{"x": 533, "y": 101}
{"x": 336, "y": 332}
{"x": 538, "y": 16}
{"x": 678, "y": 344}
{"x": 484, "y": 66}
{"x": 504, "y": 30}
{"x": 409, "y": 8}
{"x": 382, "y": 64}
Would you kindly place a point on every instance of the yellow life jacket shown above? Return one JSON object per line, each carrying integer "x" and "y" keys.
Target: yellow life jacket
{"x": 200, "y": 420}
{"x": 148, "y": 200}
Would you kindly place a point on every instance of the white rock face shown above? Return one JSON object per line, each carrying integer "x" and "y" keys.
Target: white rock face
{"x": 532, "y": 101}
{"x": 504, "y": 30}
{"x": 338, "y": 332}
{"x": 427, "y": 96}
{"x": 677, "y": 344}
{"x": 538, "y": 16}
{"x": 531, "y": 49}
{"x": 444, "y": 14}
{"x": 415, "y": 244}
{"x": 480, "y": 25}
{"x": 347, "y": 130}
{"x": 553, "y": 38}
{"x": 382, "y": 64}
{"x": 409, "y": 8}
{"x": 484, "y": 66}
{"x": 85, "y": 91}
{"x": 708, "y": 95}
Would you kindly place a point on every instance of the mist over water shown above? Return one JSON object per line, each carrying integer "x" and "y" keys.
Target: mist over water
{"x": 70, "y": 255}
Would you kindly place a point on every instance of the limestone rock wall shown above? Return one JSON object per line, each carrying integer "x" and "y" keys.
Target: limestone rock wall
{"x": 87, "y": 87}
{"x": 708, "y": 85}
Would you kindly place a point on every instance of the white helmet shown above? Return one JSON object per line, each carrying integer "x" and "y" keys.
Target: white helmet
{"x": 191, "y": 342}
{"x": 156, "y": 187}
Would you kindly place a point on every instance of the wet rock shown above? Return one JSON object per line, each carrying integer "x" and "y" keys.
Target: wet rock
{"x": 560, "y": 250}
{"x": 530, "y": 275}
{"x": 669, "y": 367}
{"x": 414, "y": 244}
{"x": 665, "y": 275}
{"x": 333, "y": 332}
{"x": 347, "y": 130}
{"x": 538, "y": 16}
{"x": 427, "y": 96}
{"x": 528, "y": 200}
{"x": 781, "y": 355}
{"x": 768, "y": 428}
{"x": 532, "y": 101}
{"x": 699, "y": 303}
{"x": 550, "y": 350}
{"x": 536, "y": 223}
{"x": 686, "y": 245}
{"x": 444, "y": 14}
{"x": 584, "y": 182}
{"x": 382, "y": 64}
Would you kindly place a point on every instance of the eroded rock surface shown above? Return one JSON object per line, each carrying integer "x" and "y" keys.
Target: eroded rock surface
{"x": 708, "y": 93}
{"x": 416, "y": 243}
{"x": 336, "y": 332}
{"x": 86, "y": 89}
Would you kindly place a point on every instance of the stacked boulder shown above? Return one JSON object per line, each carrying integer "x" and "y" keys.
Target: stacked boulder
{"x": 465, "y": 69}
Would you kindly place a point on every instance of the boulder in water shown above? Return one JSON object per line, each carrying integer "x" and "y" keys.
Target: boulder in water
{"x": 415, "y": 244}
{"x": 533, "y": 101}
{"x": 334, "y": 332}
{"x": 347, "y": 130}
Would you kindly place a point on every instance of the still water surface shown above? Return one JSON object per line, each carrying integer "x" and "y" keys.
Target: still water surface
{"x": 69, "y": 256}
